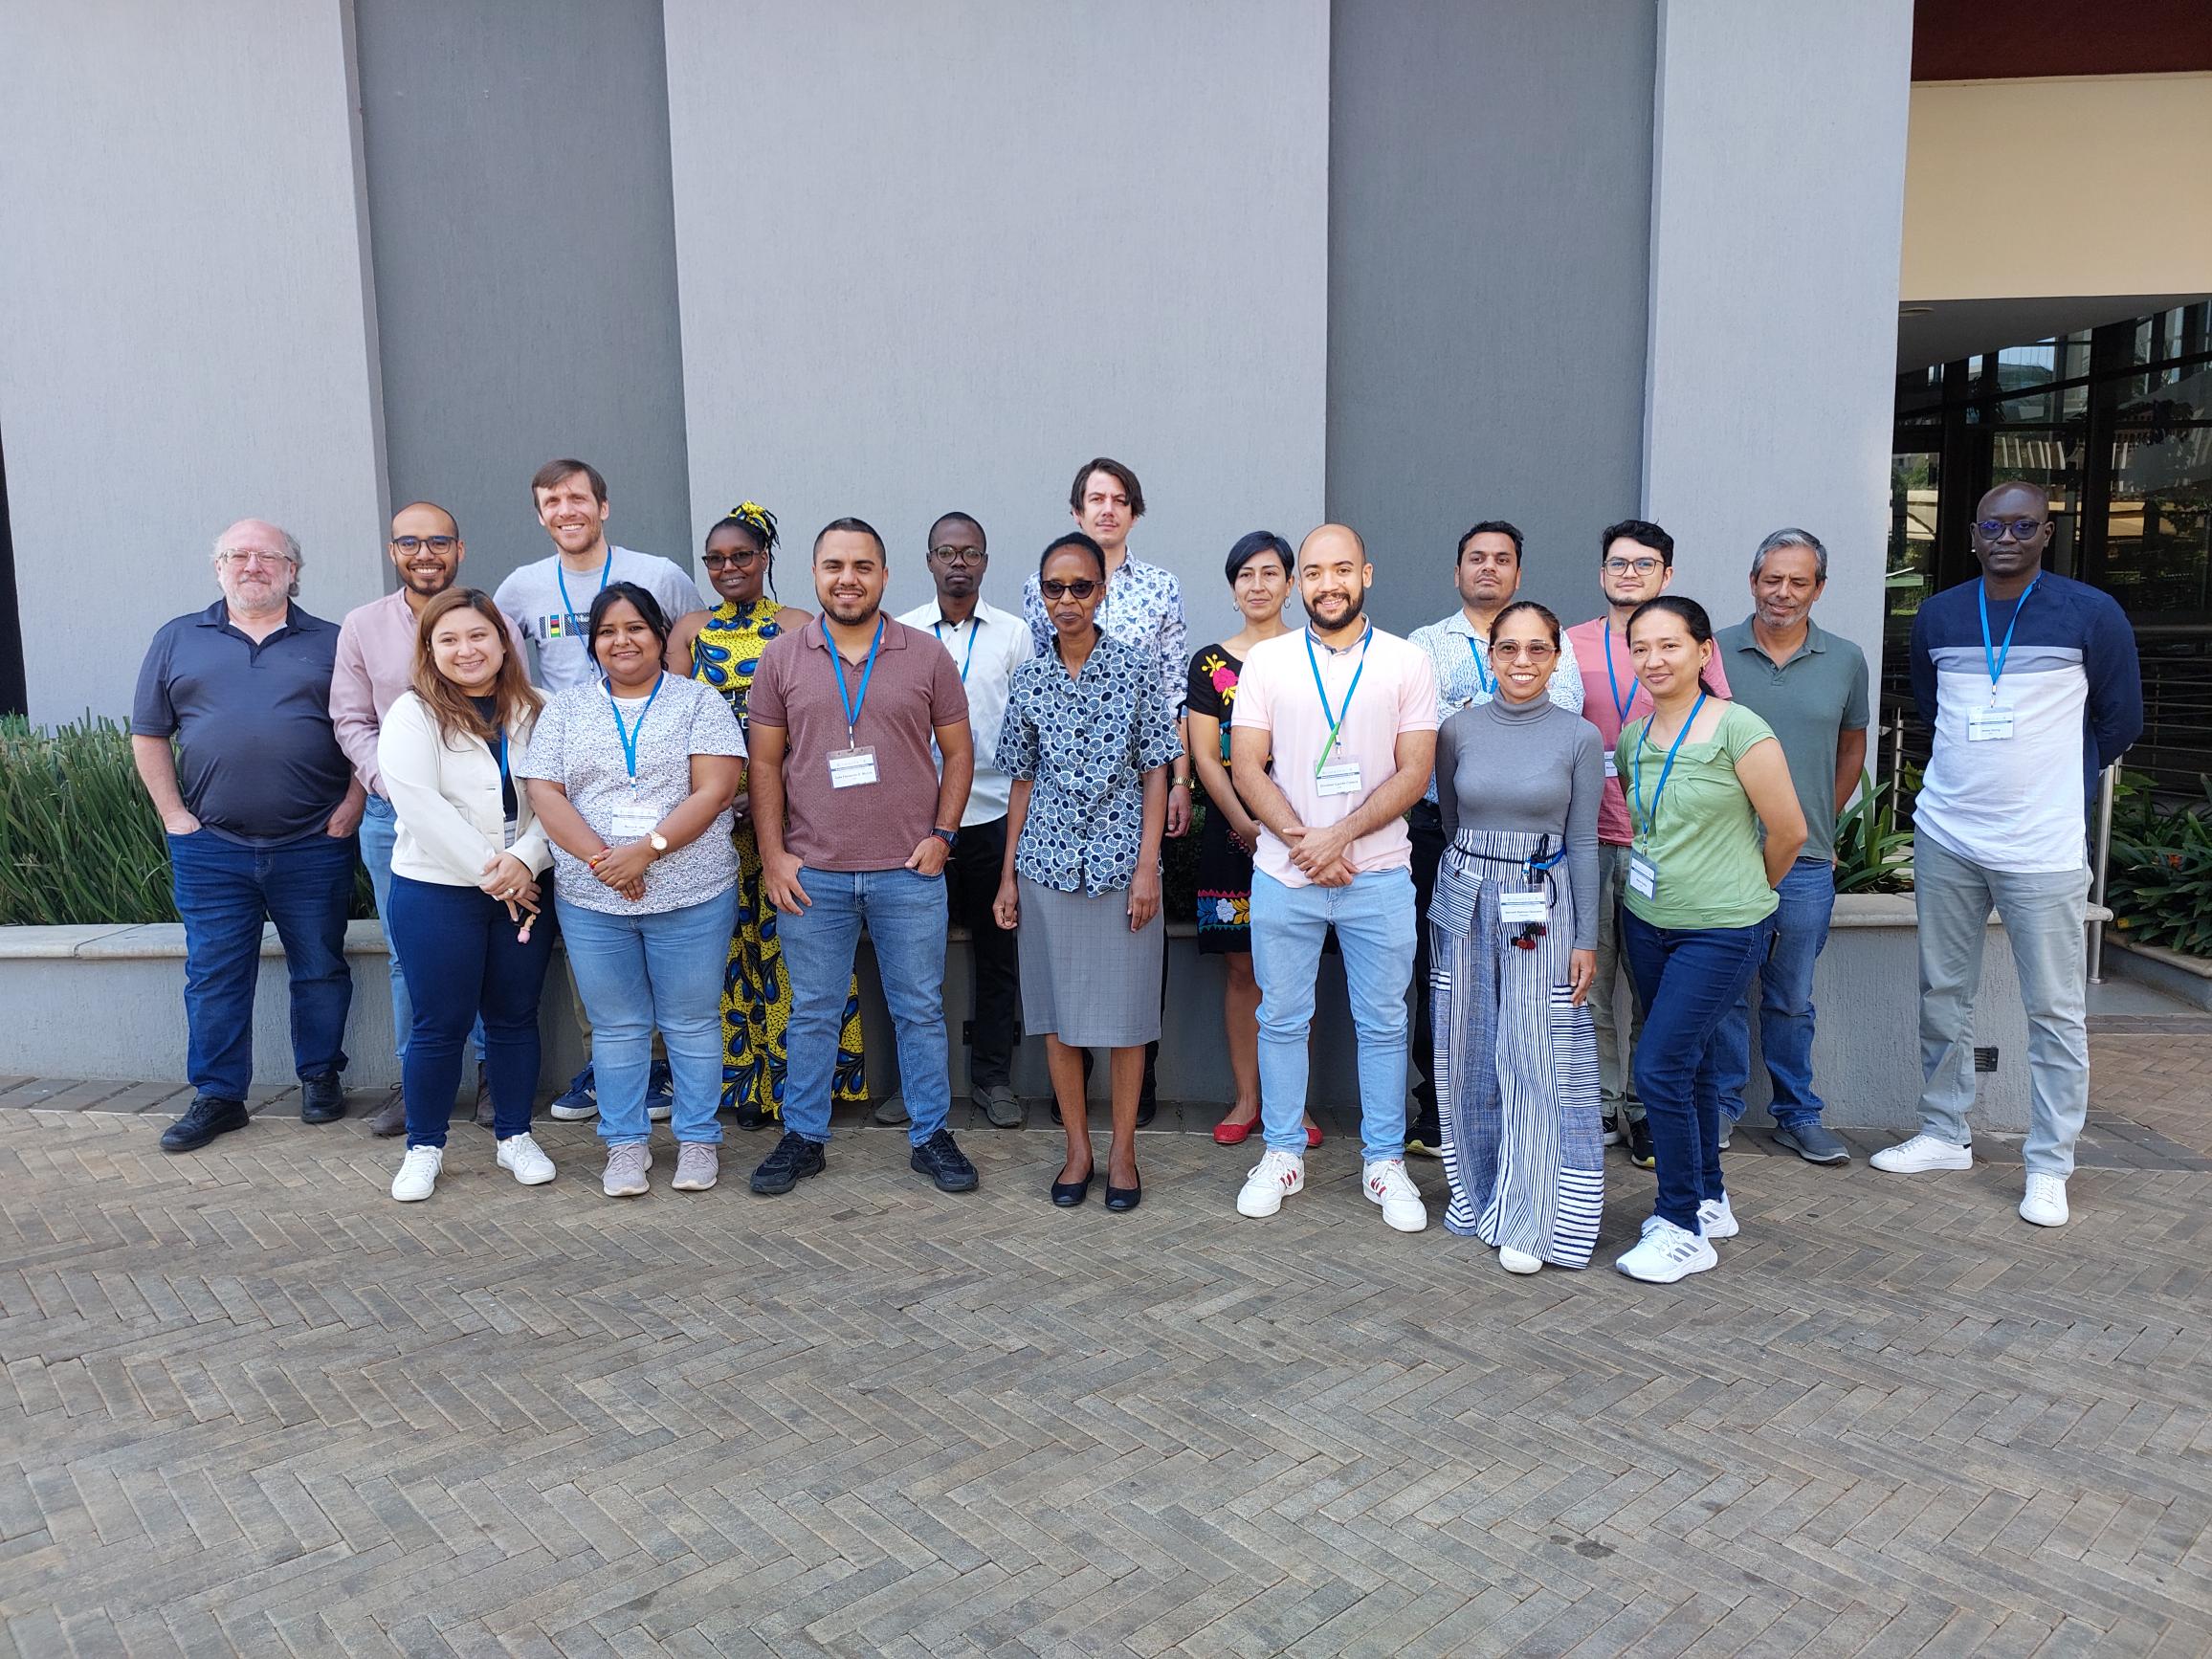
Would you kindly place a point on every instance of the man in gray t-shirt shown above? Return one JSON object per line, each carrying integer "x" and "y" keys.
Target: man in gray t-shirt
{"x": 1810, "y": 686}
{"x": 549, "y": 600}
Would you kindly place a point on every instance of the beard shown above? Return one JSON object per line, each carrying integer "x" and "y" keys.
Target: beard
{"x": 1354, "y": 606}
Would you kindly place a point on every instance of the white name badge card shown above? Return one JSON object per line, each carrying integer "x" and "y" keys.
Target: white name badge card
{"x": 1516, "y": 909}
{"x": 635, "y": 819}
{"x": 1992, "y": 724}
{"x": 1643, "y": 875}
{"x": 509, "y": 831}
{"x": 1612, "y": 770}
{"x": 851, "y": 768}
{"x": 1338, "y": 777}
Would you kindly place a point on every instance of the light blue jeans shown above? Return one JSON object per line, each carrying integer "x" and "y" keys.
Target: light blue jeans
{"x": 906, "y": 913}
{"x": 636, "y": 972}
{"x": 2043, "y": 920}
{"x": 1374, "y": 923}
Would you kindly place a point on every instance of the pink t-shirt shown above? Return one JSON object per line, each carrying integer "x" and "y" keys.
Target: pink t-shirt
{"x": 1603, "y": 708}
{"x": 1275, "y": 692}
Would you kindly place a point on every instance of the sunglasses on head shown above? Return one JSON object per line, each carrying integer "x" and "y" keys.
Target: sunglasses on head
{"x": 1081, "y": 588}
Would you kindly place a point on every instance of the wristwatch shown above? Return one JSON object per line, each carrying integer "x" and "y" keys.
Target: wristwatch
{"x": 950, "y": 837}
{"x": 657, "y": 842}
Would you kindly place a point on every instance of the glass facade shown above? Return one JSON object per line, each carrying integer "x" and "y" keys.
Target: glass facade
{"x": 2117, "y": 423}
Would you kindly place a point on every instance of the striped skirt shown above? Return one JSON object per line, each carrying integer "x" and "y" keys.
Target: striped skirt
{"x": 1516, "y": 1069}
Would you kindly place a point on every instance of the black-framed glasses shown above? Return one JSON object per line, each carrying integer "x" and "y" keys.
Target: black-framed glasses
{"x": 440, "y": 544}
{"x": 2022, "y": 529}
{"x": 958, "y": 555}
{"x": 736, "y": 561}
{"x": 1080, "y": 588}
{"x": 1622, "y": 567}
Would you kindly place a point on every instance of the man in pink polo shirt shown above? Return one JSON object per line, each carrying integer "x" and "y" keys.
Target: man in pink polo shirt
{"x": 1333, "y": 740}
{"x": 1635, "y": 563}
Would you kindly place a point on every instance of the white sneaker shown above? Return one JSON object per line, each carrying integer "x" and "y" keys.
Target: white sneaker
{"x": 1517, "y": 1261}
{"x": 1923, "y": 1152}
{"x": 698, "y": 1165}
{"x": 1716, "y": 1220}
{"x": 625, "y": 1170}
{"x": 418, "y": 1174}
{"x": 2045, "y": 1204}
{"x": 1664, "y": 1253}
{"x": 1389, "y": 1186}
{"x": 1274, "y": 1178}
{"x": 521, "y": 1156}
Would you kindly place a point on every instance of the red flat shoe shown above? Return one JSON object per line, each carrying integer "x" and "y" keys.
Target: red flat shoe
{"x": 1313, "y": 1136}
{"x": 1233, "y": 1134}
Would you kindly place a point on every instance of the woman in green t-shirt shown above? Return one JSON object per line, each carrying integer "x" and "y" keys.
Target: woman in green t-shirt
{"x": 1701, "y": 775}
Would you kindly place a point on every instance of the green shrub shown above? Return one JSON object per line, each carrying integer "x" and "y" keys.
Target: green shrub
{"x": 2159, "y": 881}
{"x": 1873, "y": 844}
{"x": 80, "y": 842}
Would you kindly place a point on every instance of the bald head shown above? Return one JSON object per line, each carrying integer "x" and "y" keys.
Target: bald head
{"x": 425, "y": 550}
{"x": 2011, "y": 529}
{"x": 1333, "y": 577}
{"x": 2016, "y": 496}
{"x": 1333, "y": 535}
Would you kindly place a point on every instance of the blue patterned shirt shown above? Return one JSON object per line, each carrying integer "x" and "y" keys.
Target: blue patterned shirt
{"x": 1463, "y": 682}
{"x": 1143, "y": 608}
{"x": 1085, "y": 741}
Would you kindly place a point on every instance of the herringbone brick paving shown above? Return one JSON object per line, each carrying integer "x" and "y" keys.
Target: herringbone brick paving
{"x": 253, "y": 1405}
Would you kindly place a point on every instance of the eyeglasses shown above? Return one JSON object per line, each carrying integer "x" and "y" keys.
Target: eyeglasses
{"x": 236, "y": 556}
{"x": 1082, "y": 589}
{"x": 1622, "y": 567}
{"x": 958, "y": 555}
{"x": 736, "y": 561}
{"x": 2022, "y": 529}
{"x": 1534, "y": 649}
{"x": 435, "y": 543}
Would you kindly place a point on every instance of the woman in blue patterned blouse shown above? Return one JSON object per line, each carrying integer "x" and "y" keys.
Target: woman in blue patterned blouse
{"x": 1088, "y": 736}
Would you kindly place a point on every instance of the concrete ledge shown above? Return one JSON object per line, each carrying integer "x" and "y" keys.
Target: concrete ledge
{"x": 2186, "y": 977}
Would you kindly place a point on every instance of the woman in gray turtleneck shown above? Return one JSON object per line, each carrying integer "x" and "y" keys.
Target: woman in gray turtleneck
{"x": 1512, "y": 947}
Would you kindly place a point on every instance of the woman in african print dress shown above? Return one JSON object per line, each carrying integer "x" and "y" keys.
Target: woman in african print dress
{"x": 740, "y": 562}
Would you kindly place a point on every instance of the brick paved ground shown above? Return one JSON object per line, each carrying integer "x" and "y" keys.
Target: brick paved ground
{"x": 253, "y": 1405}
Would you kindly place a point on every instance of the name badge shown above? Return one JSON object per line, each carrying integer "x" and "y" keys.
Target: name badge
{"x": 1992, "y": 724}
{"x": 1338, "y": 777}
{"x": 510, "y": 829}
{"x": 1643, "y": 875}
{"x": 635, "y": 819}
{"x": 851, "y": 768}
{"x": 1513, "y": 908}
{"x": 1612, "y": 770}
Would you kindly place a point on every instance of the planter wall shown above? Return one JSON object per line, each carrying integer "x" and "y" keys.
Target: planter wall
{"x": 107, "y": 1002}
{"x": 2186, "y": 977}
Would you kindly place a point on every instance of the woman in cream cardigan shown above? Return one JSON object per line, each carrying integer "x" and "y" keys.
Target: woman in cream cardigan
{"x": 465, "y": 871}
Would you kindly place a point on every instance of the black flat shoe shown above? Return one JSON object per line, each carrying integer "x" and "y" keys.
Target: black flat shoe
{"x": 1124, "y": 1197}
{"x": 1068, "y": 1194}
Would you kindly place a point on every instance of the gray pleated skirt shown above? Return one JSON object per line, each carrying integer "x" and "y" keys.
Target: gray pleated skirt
{"x": 1085, "y": 977}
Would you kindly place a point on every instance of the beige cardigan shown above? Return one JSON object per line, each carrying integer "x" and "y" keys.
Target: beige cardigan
{"x": 446, "y": 796}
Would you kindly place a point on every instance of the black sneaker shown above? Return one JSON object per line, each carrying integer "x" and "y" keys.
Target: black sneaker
{"x": 203, "y": 1120}
{"x": 1609, "y": 1127}
{"x": 321, "y": 1099}
{"x": 389, "y": 1119}
{"x": 1639, "y": 1152}
{"x": 752, "y": 1120}
{"x": 794, "y": 1159}
{"x": 940, "y": 1158}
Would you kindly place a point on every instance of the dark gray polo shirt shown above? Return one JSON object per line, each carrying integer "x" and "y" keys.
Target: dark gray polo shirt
{"x": 1810, "y": 701}
{"x": 258, "y": 761}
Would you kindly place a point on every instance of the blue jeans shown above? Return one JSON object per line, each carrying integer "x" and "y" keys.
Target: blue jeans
{"x": 905, "y": 912}
{"x": 2043, "y": 922}
{"x": 1689, "y": 979}
{"x": 1374, "y": 923}
{"x": 225, "y": 893}
{"x": 379, "y": 831}
{"x": 634, "y": 973}
{"x": 463, "y": 960}
{"x": 1785, "y": 994}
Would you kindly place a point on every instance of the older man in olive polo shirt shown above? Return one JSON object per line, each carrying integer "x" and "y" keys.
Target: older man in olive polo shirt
{"x": 1810, "y": 686}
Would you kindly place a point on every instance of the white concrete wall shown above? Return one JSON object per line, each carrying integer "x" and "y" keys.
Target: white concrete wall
{"x": 935, "y": 256}
{"x": 185, "y": 336}
{"x": 1777, "y": 202}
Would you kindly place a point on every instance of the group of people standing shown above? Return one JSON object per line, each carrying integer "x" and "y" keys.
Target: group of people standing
{"x": 708, "y": 802}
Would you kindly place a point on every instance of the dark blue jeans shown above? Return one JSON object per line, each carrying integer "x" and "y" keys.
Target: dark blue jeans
{"x": 1784, "y": 995}
{"x": 458, "y": 948}
{"x": 1689, "y": 979}
{"x": 226, "y": 893}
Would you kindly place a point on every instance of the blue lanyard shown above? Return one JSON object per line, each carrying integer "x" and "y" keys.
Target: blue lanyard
{"x": 852, "y": 703}
{"x": 503, "y": 741}
{"x": 568, "y": 605}
{"x": 1621, "y": 705}
{"x": 1994, "y": 659}
{"x": 1336, "y": 720}
{"x": 1483, "y": 678}
{"x": 938, "y": 628}
{"x": 1636, "y": 768}
{"x": 627, "y": 736}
